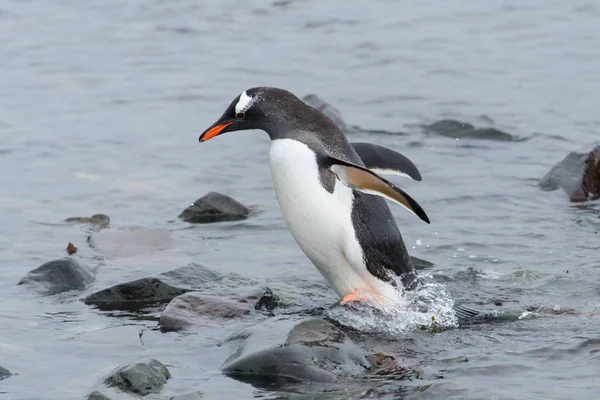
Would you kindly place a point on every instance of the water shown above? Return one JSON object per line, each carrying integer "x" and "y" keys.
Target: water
{"x": 102, "y": 106}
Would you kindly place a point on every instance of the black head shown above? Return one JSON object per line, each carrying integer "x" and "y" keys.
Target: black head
{"x": 276, "y": 111}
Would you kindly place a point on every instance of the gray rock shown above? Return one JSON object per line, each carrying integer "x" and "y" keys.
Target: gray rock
{"x": 194, "y": 308}
{"x": 333, "y": 113}
{"x": 461, "y": 130}
{"x": 292, "y": 349}
{"x": 214, "y": 207}
{"x": 419, "y": 263}
{"x": 4, "y": 373}
{"x": 131, "y": 241}
{"x": 58, "y": 276}
{"x": 96, "y": 221}
{"x": 142, "y": 378}
{"x": 97, "y": 395}
{"x": 578, "y": 174}
{"x": 149, "y": 291}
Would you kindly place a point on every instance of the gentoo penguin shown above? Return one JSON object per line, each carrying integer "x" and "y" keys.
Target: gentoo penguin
{"x": 330, "y": 193}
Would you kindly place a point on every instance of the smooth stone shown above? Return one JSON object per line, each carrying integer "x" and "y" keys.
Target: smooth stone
{"x": 58, "y": 276}
{"x": 97, "y": 395}
{"x": 98, "y": 221}
{"x": 132, "y": 241}
{"x": 4, "y": 373}
{"x": 291, "y": 349}
{"x": 194, "y": 308}
{"x": 141, "y": 378}
{"x": 161, "y": 288}
{"x": 578, "y": 175}
{"x": 214, "y": 207}
{"x": 462, "y": 130}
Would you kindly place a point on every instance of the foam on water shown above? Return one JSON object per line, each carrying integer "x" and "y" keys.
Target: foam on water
{"x": 429, "y": 307}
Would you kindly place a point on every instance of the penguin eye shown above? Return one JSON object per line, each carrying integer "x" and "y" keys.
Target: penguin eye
{"x": 240, "y": 115}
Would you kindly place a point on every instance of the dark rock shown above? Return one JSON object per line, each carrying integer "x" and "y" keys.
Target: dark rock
{"x": 214, "y": 207}
{"x": 291, "y": 349}
{"x": 149, "y": 291}
{"x": 462, "y": 130}
{"x": 142, "y": 378}
{"x": 131, "y": 241}
{"x": 194, "y": 307}
{"x": 97, "y": 395}
{"x": 578, "y": 175}
{"x": 4, "y": 373}
{"x": 58, "y": 276}
{"x": 419, "y": 263}
{"x": 333, "y": 113}
{"x": 97, "y": 221}
{"x": 71, "y": 249}
{"x": 268, "y": 301}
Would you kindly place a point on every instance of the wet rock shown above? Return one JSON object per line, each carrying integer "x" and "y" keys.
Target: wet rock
{"x": 142, "y": 378}
{"x": 291, "y": 349}
{"x": 132, "y": 241}
{"x": 333, "y": 113}
{"x": 97, "y": 221}
{"x": 462, "y": 130}
{"x": 419, "y": 263}
{"x": 4, "y": 373}
{"x": 58, "y": 276}
{"x": 97, "y": 395}
{"x": 71, "y": 249}
{"x": 578, "y": 175}
{"x": 149, "y": 291}
{"x": 194, "y": 307}
{"x": 214, "y": 207}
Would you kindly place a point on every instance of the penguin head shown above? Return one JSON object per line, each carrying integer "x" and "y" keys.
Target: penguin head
{"x": 273, "y": 110}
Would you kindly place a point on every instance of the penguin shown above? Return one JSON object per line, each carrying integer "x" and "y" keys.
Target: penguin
{"x": 332, "y": 195}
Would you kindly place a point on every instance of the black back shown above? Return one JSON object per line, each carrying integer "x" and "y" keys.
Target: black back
{"x": 284, "y": 116}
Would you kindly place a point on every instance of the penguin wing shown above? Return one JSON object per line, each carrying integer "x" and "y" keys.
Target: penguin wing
{"x": 382, "y": 160}
{"x": 366, "y": 181}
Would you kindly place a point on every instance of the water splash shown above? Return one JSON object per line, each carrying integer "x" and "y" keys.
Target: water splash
{"x": 428, "y": 307}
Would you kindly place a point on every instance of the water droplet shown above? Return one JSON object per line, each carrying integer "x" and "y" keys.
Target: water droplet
{"x": 419, "y": 242}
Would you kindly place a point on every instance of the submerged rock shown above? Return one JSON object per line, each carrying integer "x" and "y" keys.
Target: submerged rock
{"x": 131, "y": 241}
{"x": 578, "y": 175}
{"x": 462, "y": 130}
{"x": 333, "y": 113}
{"x": 97, "y": 221}
{"x": 141, "y": 378}
{"x": 194, "y": 307}
{"x": 4, "y": 373}
{"x": 149, "y": 291}
{"x": 58, "y": 276}
{"x": 291, "y": 349}
{"x": 214, "y": 207}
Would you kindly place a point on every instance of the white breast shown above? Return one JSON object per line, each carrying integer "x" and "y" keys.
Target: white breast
{"x": 320, "y": 221}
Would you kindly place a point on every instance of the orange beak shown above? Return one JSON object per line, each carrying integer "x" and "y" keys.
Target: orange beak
{"x": 211, "y": 133}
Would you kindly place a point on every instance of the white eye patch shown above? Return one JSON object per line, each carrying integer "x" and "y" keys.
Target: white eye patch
{"x": 244, "y": 103}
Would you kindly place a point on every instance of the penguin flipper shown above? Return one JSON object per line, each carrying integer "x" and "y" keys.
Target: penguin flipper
{"x": 366, "y": 181}
{"x": 382, "y": 160}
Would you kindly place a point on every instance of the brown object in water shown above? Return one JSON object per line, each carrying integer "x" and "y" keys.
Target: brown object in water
{"x": 578, "y": 174}
{"x": 590, "y": 187}
{"x": 71, "y": 249}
